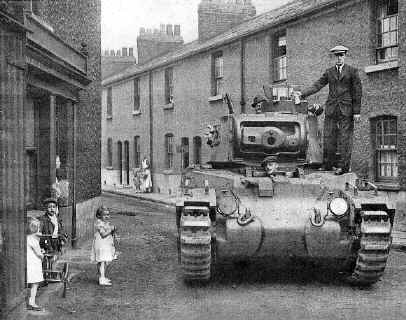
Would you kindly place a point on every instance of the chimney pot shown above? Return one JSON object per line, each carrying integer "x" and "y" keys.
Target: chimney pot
{"x": 124, "y": 51}
{"x": 169, "y": 30}
{"x": 177, "y": 30}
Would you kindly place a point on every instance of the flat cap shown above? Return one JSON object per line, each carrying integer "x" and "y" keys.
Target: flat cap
{"x": 339, "y": 49}
{"x": 50, "y": 200}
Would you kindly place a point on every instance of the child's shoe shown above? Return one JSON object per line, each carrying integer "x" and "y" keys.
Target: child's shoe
{"x": 104, "y": 282}
{"x": 34, "y": 308}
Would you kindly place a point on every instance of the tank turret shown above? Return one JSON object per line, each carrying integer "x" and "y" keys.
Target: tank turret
{"x": 279, "y": 127}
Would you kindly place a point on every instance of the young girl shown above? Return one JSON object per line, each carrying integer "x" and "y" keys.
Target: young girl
{"x": 147, "y": 182}
{"x": 103, "y": 251}
{"x": 34, "y": 262}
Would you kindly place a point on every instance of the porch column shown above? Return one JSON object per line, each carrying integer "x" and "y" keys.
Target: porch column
{"x": 52, "y": 140}
{"x": 47, "y": 146}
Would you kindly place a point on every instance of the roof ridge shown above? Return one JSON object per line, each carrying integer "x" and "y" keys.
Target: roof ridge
{"x": 290, "y": 10}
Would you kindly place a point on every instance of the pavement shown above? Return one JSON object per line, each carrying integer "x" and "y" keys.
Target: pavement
{"x": 76, "y": 257}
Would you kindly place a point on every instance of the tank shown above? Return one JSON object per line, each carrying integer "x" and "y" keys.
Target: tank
{"x": 264, "y": 196}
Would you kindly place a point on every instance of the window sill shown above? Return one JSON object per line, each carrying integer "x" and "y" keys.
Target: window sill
{"x": 109, "y": 168}
{"x": 109, "y": 117}
{"x": 136, "y": 113}
{"x": 382, "y": 67}
{"x": 215, "y": 98}
{"x": 169, "y": 106}
{"x": 387, "y": 186}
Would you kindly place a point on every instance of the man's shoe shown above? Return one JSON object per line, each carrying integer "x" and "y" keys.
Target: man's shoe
{"x": 339, "y": 171}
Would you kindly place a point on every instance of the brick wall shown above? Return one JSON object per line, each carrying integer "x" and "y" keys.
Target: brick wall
{"x": 354, "y": 26}
{"x": 78, "y": 22}
{"x": 124, "y": 125}
{"x": 308, "y": 42}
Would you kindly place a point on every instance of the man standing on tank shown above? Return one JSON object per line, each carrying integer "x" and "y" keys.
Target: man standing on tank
{"x": 343, "y": 106}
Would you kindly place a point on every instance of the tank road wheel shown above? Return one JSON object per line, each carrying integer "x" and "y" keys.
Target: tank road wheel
{"x": 374, "y": 248}
{"x": 195, "y": 243}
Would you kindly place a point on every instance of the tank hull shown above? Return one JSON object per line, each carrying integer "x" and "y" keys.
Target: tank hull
{"x": 280, "y": 230}
{"x": 281, "y": 220}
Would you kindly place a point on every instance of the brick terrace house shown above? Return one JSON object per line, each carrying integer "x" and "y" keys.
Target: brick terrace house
{"x": 50, "y": 115}
{"x": 161, "y": 108}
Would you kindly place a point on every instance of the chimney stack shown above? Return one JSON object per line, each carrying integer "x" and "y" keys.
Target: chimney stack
{"x": 176, "y": 30}
{"x": 131, "y": 52}
{"x": 124, "y": 51}
{"x": 112, "y": 53}
{"x": 169, "y": 30}
{"x": 218, "y": 16}
{"x": 153, "y": 44}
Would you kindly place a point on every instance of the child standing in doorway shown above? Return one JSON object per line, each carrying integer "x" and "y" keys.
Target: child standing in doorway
{"x": 34, "y": 262}
{"x": 103, "y": 250}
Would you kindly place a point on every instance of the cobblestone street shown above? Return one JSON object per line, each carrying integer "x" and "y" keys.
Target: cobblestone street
{"x": 147, "y": 282}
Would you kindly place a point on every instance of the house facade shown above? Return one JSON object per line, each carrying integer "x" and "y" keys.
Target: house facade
{"x": 161, "y": 109}
{"x": 50, "y": 124}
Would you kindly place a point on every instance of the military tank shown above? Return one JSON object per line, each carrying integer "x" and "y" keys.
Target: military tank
{"x": 263, "y": 196}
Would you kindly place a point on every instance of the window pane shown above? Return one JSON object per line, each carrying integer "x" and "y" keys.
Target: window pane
{"x": 219, "y": 86}
{"x": 380, "y": 40}
{"x": 218, "y": 72}
{"x": 282, "y": 41}
{"x": 385, "y": 39}
{"x": 385, "y": 25}
{"x": 392, "y": 7}
{"x": 393, "y": 37}
{"x": 392, "y": 126}
{"x": 393, "y": 23}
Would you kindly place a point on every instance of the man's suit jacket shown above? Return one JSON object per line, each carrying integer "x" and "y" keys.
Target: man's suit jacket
{"x": 345, "y": 90}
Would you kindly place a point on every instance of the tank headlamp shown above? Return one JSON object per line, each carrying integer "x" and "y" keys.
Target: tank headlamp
{"x": 338, "y": 207}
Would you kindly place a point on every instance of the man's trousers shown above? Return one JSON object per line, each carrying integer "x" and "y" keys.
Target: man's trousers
{"x": 338, "y": 132}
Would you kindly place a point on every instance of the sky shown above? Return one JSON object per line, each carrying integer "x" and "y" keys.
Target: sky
{"x": 122, "y": 19}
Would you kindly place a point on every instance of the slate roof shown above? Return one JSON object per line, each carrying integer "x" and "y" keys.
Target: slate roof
{"x": 283, "y": 14}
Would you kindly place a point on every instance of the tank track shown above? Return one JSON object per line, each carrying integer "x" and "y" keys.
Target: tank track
{"x": 195, "y": 248}
{"x": 375, "y": 242}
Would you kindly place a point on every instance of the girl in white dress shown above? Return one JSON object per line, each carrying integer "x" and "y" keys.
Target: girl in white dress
{"x": 103, "y": 250}
{"x": 34, "y": 262}
{"x": 147, "y": 182}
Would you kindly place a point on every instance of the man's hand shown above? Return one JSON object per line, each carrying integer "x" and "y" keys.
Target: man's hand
{"x": 296, "y": 96}
{"x": 357, "y": 118}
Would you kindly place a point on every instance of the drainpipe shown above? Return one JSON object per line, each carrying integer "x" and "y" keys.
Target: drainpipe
{"x": 151, "y": 129}
{"x": 242, "y": 76}
{"x": 73, "y": 236}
